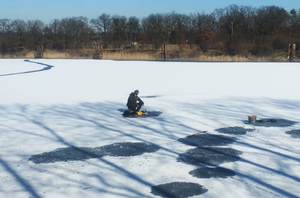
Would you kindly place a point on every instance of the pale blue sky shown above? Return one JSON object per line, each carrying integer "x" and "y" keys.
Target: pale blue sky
{"x": 47, "y": 10}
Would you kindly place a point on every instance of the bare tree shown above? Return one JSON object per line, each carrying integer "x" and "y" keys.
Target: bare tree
{"x": 133, "y": 29}
{"x": 224, "y": 29}
{"x": 203, "y": 29}
{"x": 5, "y": 41}
{"x": 101, "y": 25}
{"x": 36, "y": 33}
{"x": 19, "y": 33}
{"x": 176, "y": 27}
{"x": 270, "y": 19}
{"x": 4, "y": 25}
{"x": 118, "y": 30}
{"x": 230, "y": 20}
{"x": 294, "y": 24}
{"x": 154, "y": 27}
{"x": 246, "y": 28}
{"x": 53, "y": 36}
{"x": 75, "y": 31}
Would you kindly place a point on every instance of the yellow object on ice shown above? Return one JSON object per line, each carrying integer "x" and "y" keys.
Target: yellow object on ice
{"x": 139, "y": 113}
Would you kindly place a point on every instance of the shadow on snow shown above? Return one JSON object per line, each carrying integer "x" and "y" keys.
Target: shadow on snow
{"x": 45, "y": 68}
{"x": 57, "y": 121}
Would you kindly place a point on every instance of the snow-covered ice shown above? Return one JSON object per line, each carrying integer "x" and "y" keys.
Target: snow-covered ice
{"x": 47, "y": 104}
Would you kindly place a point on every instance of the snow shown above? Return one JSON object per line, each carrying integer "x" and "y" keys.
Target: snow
{"x": 51, "y": 103}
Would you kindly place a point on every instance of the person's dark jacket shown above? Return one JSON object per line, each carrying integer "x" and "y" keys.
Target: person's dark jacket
{"x": 133, "y": 101}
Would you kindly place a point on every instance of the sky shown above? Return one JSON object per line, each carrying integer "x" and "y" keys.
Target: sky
{"x": 48, "y": 10}
{"x": 56, "y": 107}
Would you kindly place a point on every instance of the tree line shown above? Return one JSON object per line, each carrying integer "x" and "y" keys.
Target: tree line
{"x": 231, "y": 29}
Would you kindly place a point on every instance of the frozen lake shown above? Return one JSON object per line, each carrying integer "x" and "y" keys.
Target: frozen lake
{"x": 62, "y": 132}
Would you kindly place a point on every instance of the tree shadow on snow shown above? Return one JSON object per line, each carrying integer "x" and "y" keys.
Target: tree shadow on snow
{"x": 45, "y": 68}
{"x": 81, "y": 125}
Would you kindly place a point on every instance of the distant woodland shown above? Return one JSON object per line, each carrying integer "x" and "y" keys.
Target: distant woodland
{"x": 231, "y": 30}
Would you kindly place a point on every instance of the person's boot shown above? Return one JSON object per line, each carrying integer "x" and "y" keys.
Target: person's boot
{"x": 133, "y": 113}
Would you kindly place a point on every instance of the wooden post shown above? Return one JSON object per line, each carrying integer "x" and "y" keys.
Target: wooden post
{"x": 98, "y": 52}
{"x": 39, "y": 51}
{"x": 291, "y": 52}
{"x": 164, "y": 53}
{"x": 294, "y": 51}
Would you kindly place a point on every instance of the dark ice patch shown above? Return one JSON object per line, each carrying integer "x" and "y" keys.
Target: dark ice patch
{"x": 151, "y": 96}
{"x": 82, "y": 153}
{"x": 207, "y": 172}
{"x": 145, "y": 114}
{"x": 294, "y": 133}
{"x": 127, "y": 149}
{"x": 207, "y": 140}
{"x": 152, "y": 114}
{"x": 209, "y": 156}
{"x": 67, "y": 154}
{"x": 178, "y": 190}
{"x": 274, "y": 123}
{"x": 234, "y": 130}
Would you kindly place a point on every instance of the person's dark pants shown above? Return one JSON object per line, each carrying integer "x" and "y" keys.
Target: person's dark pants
{"x": 135, "y": 108}
{"x": 138, "y": 107}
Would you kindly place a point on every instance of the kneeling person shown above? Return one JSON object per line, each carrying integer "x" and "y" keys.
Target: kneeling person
{"x": 134, "y": 103}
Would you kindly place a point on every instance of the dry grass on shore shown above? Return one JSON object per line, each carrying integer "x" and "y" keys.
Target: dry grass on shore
{"x": 173, "y": 55}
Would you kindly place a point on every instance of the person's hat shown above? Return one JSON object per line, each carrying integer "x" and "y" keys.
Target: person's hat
{"x": 136, "y": 92}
